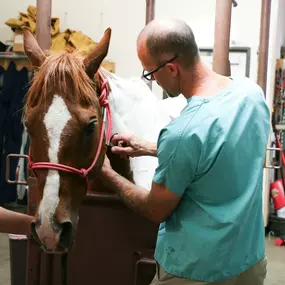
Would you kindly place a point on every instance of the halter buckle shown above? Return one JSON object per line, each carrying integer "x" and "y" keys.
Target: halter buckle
{"x": 16, "y": 181}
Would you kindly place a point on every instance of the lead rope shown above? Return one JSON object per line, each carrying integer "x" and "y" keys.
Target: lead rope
{"x": 104, "y": 103}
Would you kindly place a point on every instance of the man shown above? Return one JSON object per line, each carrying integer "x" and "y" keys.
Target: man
{"x": 207, "y": 188}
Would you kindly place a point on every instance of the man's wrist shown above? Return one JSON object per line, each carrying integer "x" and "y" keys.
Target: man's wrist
{"x": 151, "y": 149}
{"x": 107, "y": 172}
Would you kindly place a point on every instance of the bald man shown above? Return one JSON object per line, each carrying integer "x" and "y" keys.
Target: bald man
{"x": 207, "y": 189}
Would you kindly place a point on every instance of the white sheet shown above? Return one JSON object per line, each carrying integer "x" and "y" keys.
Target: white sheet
{"x": 136, "y": 110}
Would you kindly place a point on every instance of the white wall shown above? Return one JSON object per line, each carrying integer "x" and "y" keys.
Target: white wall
{"x": 276, "y": 40}
{"x": 280, "y": 40}
{"x": 200, "y": 15}
{"x": 92, "y": 17}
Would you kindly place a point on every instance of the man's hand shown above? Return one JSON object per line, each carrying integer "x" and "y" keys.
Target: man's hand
{"x": 129, "y": 145}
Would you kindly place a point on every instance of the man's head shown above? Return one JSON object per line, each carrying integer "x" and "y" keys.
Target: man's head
{"x": 168, "y": 49}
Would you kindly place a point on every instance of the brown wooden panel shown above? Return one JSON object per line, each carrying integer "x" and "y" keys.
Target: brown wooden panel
{"x": 113, "y": 245}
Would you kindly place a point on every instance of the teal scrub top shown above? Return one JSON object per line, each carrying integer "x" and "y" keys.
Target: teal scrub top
{"x": 212, "y": 155}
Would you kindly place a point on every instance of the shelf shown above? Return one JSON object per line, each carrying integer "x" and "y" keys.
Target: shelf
{"x": 12, "y": 55}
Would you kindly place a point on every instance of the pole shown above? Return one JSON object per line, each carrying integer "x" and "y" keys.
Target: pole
{"x": 43, "y": 24}
{"x": 150, "y": 13}
{"x": 221, "y": 63}
{"x": 34, "y": 254}
{"x": 263, "y": 44}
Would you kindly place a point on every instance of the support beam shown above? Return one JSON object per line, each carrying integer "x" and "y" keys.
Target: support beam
{"x": 150, "y": 13}
{"x": 34, "y": 254}
{"x": 263, "y": 44}
{"x": 43, "y": 24}
{"x": 221, "y": 63}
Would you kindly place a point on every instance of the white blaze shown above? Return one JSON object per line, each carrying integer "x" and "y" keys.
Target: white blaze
{"x": 55, "y": 120}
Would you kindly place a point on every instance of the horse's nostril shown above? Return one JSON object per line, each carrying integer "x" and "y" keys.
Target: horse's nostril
{"x": 33, "y": 228}
{"x": 34, "y": 234}
{"x": 67, "y": 235}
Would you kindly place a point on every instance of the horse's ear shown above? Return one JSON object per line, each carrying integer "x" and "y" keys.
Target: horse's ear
{"x": 94, "y": 59}
{"x": 32, "y": 49}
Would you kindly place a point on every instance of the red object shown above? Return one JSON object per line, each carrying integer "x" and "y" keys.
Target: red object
{"x": 279, "y": 242}
{"x": 277, "y": 194}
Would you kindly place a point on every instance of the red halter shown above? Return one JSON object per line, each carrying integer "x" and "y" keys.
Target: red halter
{"x": 103, "y": 100}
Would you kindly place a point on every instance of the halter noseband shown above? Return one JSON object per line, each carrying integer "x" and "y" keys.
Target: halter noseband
{"x": 107, "y": 118}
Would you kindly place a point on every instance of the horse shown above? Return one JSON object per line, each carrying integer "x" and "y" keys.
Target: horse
{"x": 72, "y": 108}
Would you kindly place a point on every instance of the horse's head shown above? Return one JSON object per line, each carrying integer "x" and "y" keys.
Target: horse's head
{"x": 64, "y": 121}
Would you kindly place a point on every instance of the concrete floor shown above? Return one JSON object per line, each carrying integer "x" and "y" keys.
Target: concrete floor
{"x": 275, "y": 255}
{"x": 276, "y": 263}
{"x": 4, "y": 260}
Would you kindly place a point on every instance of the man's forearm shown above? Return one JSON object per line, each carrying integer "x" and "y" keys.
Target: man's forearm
{"x": 15, "y": 223}
{"x": 133, "y": 196}
{"x": 151, "y": 149}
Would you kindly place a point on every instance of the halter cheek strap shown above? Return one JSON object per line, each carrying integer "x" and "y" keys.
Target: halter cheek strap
{"x": 103, "y": 101}
{"x": 107, "y": 119}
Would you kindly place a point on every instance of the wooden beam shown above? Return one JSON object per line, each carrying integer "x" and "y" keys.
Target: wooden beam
{"x": 263, "y": 44}
{"x": 43, "y": 24}
{"x": 34, "y": 254}
{"x": 150, "y": 11}
{"x": 150, "y": 14}
{"x": 221, "y": 63}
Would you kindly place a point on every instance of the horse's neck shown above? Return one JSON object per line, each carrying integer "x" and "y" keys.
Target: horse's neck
{"x": 119, "y": 164}
{"x": 136, "y": 110}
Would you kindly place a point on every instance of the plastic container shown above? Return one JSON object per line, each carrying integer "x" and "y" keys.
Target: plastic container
{"x": 281, "y": 213}
{"x": 276, "y": 226}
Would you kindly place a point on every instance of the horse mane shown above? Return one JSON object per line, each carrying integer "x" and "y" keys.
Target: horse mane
{"x": 62, "y": 73}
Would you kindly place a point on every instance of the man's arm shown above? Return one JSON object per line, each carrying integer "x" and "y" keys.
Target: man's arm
{"x": 15, "y": 223}
{"x": 178, "y": 156}
{"x": 156, "y": 204}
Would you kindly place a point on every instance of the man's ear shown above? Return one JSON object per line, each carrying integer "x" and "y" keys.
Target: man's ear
{"x": 173, "y": 68}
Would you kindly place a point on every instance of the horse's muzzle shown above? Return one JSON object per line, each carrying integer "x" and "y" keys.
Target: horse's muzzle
{"x": 52, "y": 239}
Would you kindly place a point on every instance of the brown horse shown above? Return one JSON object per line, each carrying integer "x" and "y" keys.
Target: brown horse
{"x": 64, "y": 120}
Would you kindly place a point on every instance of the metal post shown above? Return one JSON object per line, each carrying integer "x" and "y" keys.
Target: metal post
{"x": 263, "y": 44}
{"x": 221, "y": 62}
{"x": 34, "y": 254}
{"x": 150, "y": 13}
{"x": 43, "y": 24}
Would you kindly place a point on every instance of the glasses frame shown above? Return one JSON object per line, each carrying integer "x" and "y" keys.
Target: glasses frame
{"x": 148, "y": 75}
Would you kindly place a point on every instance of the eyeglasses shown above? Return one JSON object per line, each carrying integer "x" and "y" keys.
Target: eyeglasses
{"x": 148, "y": 74}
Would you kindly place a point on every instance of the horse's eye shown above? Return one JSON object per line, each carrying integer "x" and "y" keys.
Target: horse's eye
{"x": 91, "y": 126}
